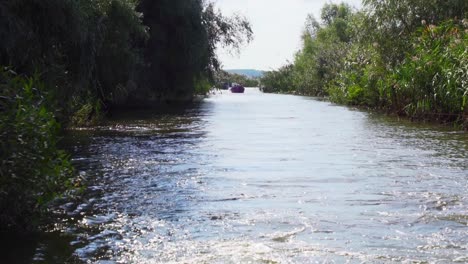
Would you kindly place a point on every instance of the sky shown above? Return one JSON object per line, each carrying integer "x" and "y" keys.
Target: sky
{"x": 277, "y": 26}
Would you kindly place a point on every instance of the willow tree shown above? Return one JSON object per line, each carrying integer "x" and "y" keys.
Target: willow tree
{"x": 80, "y": 53}
{"x": 44, "y": 37}
{"x": 183, "y": 36}
{"x": 82, "y": 50}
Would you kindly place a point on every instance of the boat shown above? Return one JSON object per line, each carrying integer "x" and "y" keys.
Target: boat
{"x": 237, "y": 89}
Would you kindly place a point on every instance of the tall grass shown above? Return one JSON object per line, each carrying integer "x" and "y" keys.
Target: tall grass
{"x": 432, "y": 81}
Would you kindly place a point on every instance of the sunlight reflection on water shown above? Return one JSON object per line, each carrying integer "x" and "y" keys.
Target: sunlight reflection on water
{"x": 261, "y": 178}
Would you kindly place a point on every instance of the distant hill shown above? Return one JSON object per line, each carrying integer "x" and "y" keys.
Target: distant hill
{"x": 247, "y": 72}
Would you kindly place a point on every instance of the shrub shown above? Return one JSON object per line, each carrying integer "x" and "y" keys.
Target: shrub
{"x": 432, "y": 80}
{"x": 32, "y": 170}
{"x": 280, "y": 81}
{"x": 362, "y": 80}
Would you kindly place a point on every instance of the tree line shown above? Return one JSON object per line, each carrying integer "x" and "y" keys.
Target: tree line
{"x": 223, "y": 77}
{"x": 68, "y": 62}
{"x": 408, "y": 57}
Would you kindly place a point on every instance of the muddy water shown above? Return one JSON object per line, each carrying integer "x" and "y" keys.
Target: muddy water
{"x": 261, "y": 178}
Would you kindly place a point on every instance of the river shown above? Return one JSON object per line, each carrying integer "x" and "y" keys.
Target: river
{"x": 265, "y": 178}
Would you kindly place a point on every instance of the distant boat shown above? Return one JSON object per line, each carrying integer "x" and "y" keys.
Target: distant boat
{"x": 237, "y": 89}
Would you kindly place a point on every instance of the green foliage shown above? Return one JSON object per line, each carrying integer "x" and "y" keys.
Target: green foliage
{"x": 231, "y": 32}
{"x": 432, "y": 80}
{"x": 399, "y": 56}
{"x": 182, "y": 44}
{"x": 106, "y": 51}
{"x": 119, "y": 59}
{"x": 32, "y": 170}
{"x": 92, "y": 56}
{"x": 202, "y": 86}
{"x": 385, "y": 59}
{"x": 88, "y": 114}
{"x": 391, "y": 23}
{"x": 362, "y": 79}
{"x": 322, "y": 55}
{"x": 80, "y": 48}
{"x": 33, "y": 42}
{"x": 280, "y": 81}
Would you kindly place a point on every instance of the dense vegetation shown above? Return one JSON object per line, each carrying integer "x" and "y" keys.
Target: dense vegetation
{"x": 407, "y": 57}
{"x": 69, "y": 61}
{"x": 33, "y": 171}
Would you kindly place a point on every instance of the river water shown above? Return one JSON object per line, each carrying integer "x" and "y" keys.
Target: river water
{"x": 264, "y": 178}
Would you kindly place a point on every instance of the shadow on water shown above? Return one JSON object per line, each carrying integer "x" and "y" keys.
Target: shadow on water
{"x": 48, "y": 247}
{"x": 18, "y": 249}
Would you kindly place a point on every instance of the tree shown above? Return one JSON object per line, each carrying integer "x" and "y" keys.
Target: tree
{"x": 324, "y": 47}
{"x": 120, "y": 57}
{"x": 183, "y": 39}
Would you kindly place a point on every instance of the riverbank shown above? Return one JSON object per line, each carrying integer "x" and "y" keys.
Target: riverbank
{"x": 70, "y": 63}
{"x": 407, "y": 67}
{"x": 437, "y": 119}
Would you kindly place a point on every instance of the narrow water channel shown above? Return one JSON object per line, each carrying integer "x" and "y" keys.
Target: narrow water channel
{"x": 264, "y": 178}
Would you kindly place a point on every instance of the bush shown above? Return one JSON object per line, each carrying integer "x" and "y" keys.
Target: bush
{"x": 430, "y": 83}
{"x": 432, "y": 80}
{"x": 362, "y": 80}
{"x": 280, "y": 81}
{"x": 32, "y": 170}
